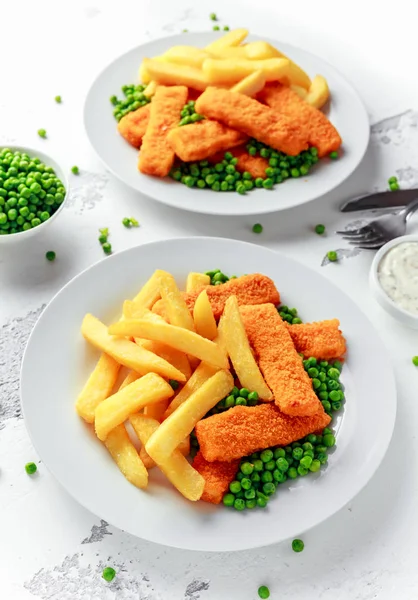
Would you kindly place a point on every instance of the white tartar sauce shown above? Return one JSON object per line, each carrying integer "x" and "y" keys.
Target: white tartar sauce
{"x": 398, "y": 275}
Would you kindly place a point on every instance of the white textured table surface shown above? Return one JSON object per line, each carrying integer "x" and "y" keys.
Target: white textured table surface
{"x": 50, "y": 547}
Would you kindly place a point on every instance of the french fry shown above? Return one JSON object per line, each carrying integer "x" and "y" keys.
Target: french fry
{"x": 174, "y": 303}
{"x": 220, "y": 339}
{"x": 98, "y": 387}
{"x": 300, "y": 91}
{"x": 261, "y": 50}
{"x": 113, "y": 411}
{"x": 150, "y": 292}
{"x": 130, "y": 378}
{"x": 200, "y": 375}
{"x": 132, "y": 310}
{"x": 159, "y": 309}
{"x": 184, "y": 448}
{"x": 182, "y": 421}
{"x": 240, "y": 353}
{"x": 144, "y": 76}
{"x": 229, "y": 52}
{"x": 171, "y": 74}
{"x": 176, "y": 337}
{"x": 230, "y": 71}
{"x": 150, "y": 89}
{"x": 297, "y": 76}
{"x": 126, "y": 457}
{"x": 250, "y": 85}
{"x": 318, "y": 92}
{"x": 232, "y": 38}
{"x": 196, "y": 280}
{"x": 176, "y": 467}
{"x": 186, "y": 55}
{"x": 125, "y": 352}
{"x": 178, "y": 359}
{"x": 204, "y": 320}
{"x": 156, "y": 411}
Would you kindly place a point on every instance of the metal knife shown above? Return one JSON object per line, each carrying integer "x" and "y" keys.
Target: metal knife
{"x": 381, "y": 201}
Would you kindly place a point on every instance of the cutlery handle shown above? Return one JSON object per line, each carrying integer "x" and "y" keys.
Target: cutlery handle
{"x": 409, "y": 209}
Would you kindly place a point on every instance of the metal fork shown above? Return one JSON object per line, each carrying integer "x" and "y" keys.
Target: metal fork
{"x": 375, "y": 234}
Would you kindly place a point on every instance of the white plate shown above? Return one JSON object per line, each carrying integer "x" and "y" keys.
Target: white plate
{"x": 57, "y": 362}
{"x": 346, "y": 112}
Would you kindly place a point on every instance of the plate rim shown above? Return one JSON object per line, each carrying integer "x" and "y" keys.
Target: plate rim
{"x": 198, "y": 208}
{"x": 383, "y": 448}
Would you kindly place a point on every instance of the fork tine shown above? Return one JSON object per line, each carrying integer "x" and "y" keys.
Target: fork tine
{"x": 360, "y": 231}
{"x": 373, "y": 236}
{"x": 369, "y": 245}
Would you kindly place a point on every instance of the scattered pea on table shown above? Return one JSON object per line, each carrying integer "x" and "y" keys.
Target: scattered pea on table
{"x": 320, "y": 229}
{"x": 297, "y": 545}
{"x": 264, "y": 592}
{"x": 50, "y": 255}
{"x": 58, "y": 99}
{"x": 213, "y": 17}
{"x": 257, "y": 228}
{"x": 30, "y": 468}
{"x": 108, "y": 574}
{"x": 75, "y": 170}
{"x": 415, "y": 360}
{"x": 332, "y": 256}
{"x": 42, "y": 133}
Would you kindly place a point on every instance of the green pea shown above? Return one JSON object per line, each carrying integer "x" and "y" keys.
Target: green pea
{"x": 239, "y": 504}
{"x": 266, "y": 455}
{"x": 332, "y": 256}
{"x": 268, "y": 183}
{"x": 108, "y": 574}
{"x": 266, "y": 477}
{"x": 229, "y": 401}
{"x": 30, "y": 468}
{"x": 269, "y": 488}
{"x": 297, "y": 453}
{"x": 302, "y": 471}
{"x": 246, "y": 483}
{"x": 263, "y": 592}
{"x": 329, "y": 440}
{"x": 228, "y": 499}
{"x": 247, "y": 468}
{"x": 297, "y": 545}
{"x": 257, "y": 228}
{"x": 258, "y": 465}
{"x": 292, "y": 473}
{"x": 235, "y": 487}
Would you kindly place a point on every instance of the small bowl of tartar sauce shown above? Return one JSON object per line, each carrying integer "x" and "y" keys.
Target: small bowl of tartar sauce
{"x": 394, "y": 279}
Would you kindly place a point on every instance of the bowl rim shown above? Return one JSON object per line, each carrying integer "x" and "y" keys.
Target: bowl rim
{"x": 385, "y": 299}
{"x": 47, "y": 159}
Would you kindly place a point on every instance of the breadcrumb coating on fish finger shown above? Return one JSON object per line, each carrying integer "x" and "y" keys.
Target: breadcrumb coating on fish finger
{"x": 322, "y": 339}
{"x": 279, "y": 361}
{"x": 134, "y": 125}
{"x": 198, "y": 141}
{"x": 156, "y": 156}
{"x": 249, "y": 289}
{"x": 243, "y": 430}
{"x": 217, "y": 475}
{"x": 254, "y": 119}
{"x": 322, "y": 133}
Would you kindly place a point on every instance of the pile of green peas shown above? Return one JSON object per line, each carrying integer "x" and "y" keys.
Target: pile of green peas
{"x": 134, "y": 99}
{"x": 289, "y": 315}
{"x": 224, "y": 177}
{"x": 326, "y": 382}
{"x": 220, "y": 177}
{"x": 189, "y": 115}
{"x": 261, "y": 473}
{"x": 217, "y": 277}
{"x": 30, "y": 192}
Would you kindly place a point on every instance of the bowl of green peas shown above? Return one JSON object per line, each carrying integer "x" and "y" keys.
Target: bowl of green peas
{"x": 33, "y": 191}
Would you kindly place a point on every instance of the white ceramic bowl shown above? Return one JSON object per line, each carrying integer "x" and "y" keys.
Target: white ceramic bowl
{"x": 59, "y": 172}
{"x": 378, "y": 292}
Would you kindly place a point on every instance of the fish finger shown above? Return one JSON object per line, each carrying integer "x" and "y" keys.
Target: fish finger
{"x": 217, "y": 475}
{"x": 254, "y": 119}
{"x": 243, "y": 430}
{"x": 198, "y": 141}
{"x": 156, "y": 156}
{"x": 279, "y": 361}
{"x": 134, "y": 125}
{"x": 322, "y": 133}
{"x": 322, "y": 340}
